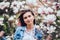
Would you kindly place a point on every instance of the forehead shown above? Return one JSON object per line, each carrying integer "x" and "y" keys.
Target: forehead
{"x": 27, "y": 13}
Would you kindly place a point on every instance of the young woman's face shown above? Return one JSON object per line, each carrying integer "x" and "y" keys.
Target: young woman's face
{"x": 28, "y": 18}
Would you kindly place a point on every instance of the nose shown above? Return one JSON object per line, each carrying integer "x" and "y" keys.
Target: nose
{"x": 28, "y": 18}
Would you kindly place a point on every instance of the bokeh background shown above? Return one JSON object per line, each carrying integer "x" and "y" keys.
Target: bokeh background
{"x": 47, "y": 15}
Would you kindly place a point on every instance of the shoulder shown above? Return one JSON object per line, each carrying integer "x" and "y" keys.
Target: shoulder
{"x": 38, "y": 33}
{"x": 38, "y": 29}
{"x": 20, "y": 28}
{"x": 19, "y": 32}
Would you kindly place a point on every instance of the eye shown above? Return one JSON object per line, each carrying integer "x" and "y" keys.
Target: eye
{"x": 29, "y": 16}
{"x": 25, "y": 17}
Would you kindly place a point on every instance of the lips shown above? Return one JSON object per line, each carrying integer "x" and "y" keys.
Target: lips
{"x": 28, "y": 21}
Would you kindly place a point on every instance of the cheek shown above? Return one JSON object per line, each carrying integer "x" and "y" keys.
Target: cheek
{"x": 25, "y": 20}
{"x": 32, "y": 18}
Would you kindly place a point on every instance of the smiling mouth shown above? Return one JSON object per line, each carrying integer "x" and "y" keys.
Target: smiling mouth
{"x": 28, "y": 21}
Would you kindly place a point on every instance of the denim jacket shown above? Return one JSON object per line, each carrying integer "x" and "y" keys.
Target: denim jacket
{"x": 19, "y": 34}
{"x": 3, "y": 38}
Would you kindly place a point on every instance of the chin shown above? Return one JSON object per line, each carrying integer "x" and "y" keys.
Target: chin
{"x": 29, "y": 24}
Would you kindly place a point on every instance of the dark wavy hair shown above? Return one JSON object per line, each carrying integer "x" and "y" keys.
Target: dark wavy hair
{"x": 21, "y": 17}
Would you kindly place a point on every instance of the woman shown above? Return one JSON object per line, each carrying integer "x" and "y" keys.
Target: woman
{"x": 28, "y": 29}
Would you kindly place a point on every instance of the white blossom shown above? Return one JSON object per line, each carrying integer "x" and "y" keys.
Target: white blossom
{"x": 44, "y": 18}
{"x": 51, "y": 29}
{"x": 1, "y": 21}
{"x": 11, "y": 18}
{"x": 54, "y": 3}
{"x": 51, "y": 18}
{"x": 58, "y": 13}
{"x": 40, "y": 10}
{"x": 49, "y": 9}
{"x": 2, "y": 5}
{"x": 15, "y": 10}
{"x": 23, "y": 2}
{"x": 33, "y": 2}
{"x": 46, "y": 10}
{"x": 49, "y": 2}
{"x": 7, "y": 4}
{"x": 54, "y": 7}
{"x": 15, "y": 4}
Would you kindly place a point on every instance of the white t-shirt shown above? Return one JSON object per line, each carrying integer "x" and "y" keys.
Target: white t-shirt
{"x": 29, "y": 35}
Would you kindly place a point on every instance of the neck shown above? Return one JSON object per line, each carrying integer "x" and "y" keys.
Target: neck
{"x": 30, "y": 27}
